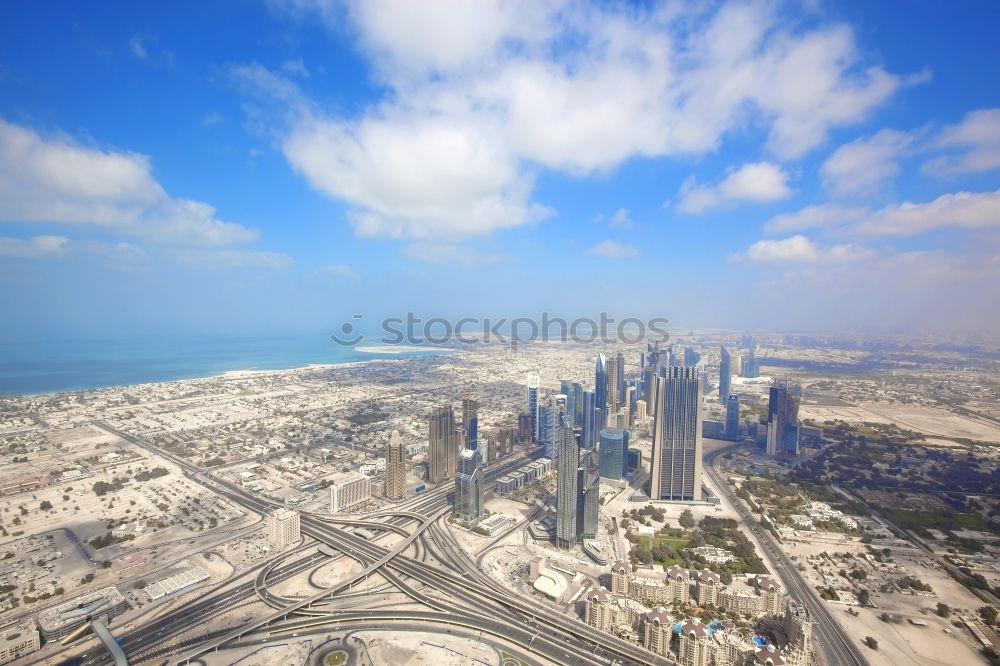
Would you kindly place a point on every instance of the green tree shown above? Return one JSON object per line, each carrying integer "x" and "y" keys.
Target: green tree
{"x": 686, "y": 519}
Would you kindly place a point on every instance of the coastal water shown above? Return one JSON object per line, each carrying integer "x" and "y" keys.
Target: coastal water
{"x": 49, "y": 366}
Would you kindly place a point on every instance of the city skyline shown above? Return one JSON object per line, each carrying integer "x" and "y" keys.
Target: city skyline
{"x": 202, "y": 179}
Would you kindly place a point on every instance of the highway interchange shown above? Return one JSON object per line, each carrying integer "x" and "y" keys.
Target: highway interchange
{"x": 427, "y": 565}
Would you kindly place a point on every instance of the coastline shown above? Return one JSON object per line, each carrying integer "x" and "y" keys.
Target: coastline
{"x": 207, "y": 372}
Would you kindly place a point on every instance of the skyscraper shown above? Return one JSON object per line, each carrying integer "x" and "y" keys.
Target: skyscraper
{"x": 567, "y": 463}
{"x": 555, "y": 414}
{"x": 620, "y": 376}
{"x": 675, "y": 466}
{"x": 601, "y": 387}
{"x": 725, "y": 375}
{"x": 691, "y": 357}
{"x": 588, "y": 493}
{"x": 589, "y": 425}
{"x": 577, "y": 404}
{"x": 782, "y": 419}
{"x": 733, "y": 418}
{"x": 751, "y": 366}
{"x": 443, "y": 445}
{"x": 566, "y": 389}
{"x": 395, "y": 467}
{"x": 776, "y": 418}
{"x": 531, "y": 404}
{"x": 468, "y": 486}
{"x": 470, "y": 419}
{"x": 612, "y": 451}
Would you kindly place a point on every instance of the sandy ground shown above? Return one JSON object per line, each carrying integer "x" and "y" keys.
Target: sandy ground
{"x": 899, "y": 643}
{"x": 928, "y": 420}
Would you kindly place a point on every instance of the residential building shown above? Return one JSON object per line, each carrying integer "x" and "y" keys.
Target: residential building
{"x": 348, "y": 489}
{"x": 283, "y": 528}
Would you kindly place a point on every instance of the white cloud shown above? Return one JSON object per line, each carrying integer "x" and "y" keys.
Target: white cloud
{"x": 964, "y": 210}
{"x": 819, "y": 215}
{"x": 977, "y": 136}
{"x": 296, "y": 67}
{"x": 415, "y": 176}
{"x": 621, "y": 220}
{"x": 138, "y": 48}
{"x": 614, "y": 250}
{"x": 800, "y": 250}
{"x": 339, "y": 270}
{"x": 490, "y": 90}
{"x": 119, "y": 255}
{"x": 58, "y": 180}
{"x": 758, "y": 181}
{"x": 865, "y": 165}
{"x": 449, "y": 253}
{"x": 231, "y": 258}
{"x": 35, "y": 246}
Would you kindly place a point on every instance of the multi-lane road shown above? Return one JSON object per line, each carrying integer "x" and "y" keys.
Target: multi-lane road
{"x": 833, "y": 645}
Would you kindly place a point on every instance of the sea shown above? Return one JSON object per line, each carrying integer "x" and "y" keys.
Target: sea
{"x": 51, "y": 366}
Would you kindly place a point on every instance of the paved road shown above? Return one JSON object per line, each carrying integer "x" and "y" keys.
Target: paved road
{"x": 833, "y": 645}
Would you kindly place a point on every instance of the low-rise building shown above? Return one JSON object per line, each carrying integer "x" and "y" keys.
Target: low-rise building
{"x": 59, "y": 621}
{"x": 17, "y": 640}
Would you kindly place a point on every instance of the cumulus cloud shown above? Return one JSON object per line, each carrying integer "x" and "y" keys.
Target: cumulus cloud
{"x": 958, "y": 210}
{"x": 491, "y": 91}
{"x": 865, "y": 165}
{"x": 819, "y": 215}
{"x": 58, "y": 180}
{"x": 621, "y": 220}
{"x": 801, "y": 250}
{"x": 977, "y": 142}
{"x": 614, "y": 250}
{"x": 964, "y": 210}
{"x": 758, "y": 181}
{"x": 415, "y": 176}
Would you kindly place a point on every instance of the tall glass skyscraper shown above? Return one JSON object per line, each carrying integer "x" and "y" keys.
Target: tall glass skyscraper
{"x": 588, "y": 489}
{"x": 443, "y": 445}
{"x": 468, "y": 486}
{"x": 725, "y": 375}
{"x": 567, "y": 463}
{"x": 531, "y": 404}
{"x": 601, "y": 386}
{"x": 470, "y": 419}
{"x": 589, "y": 421}
{"x": 675, "y": 465}
{"x": 733, "y": 418}
{"x": 612, "y": 452}
{"x": 620, "y": 377}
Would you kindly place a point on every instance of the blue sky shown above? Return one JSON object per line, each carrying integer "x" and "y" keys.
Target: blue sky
{"x": 217, "y": 167}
